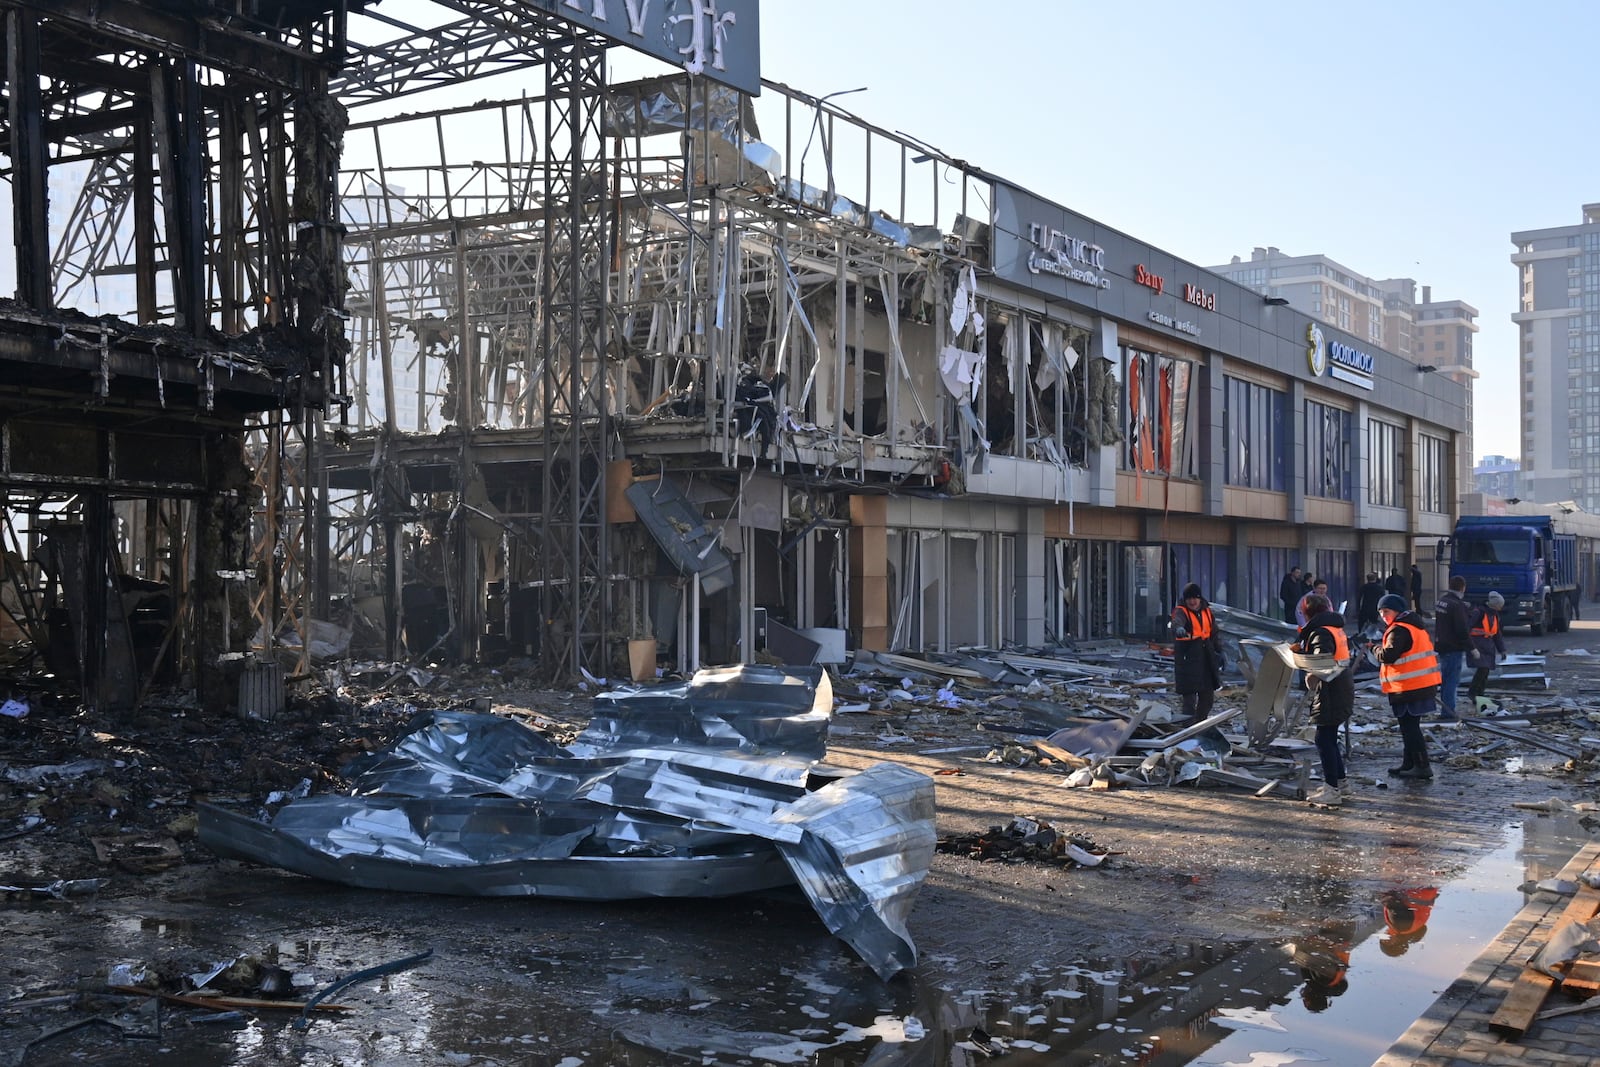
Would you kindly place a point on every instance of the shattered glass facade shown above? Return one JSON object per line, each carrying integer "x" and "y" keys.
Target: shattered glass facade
{"x": 813, "y": 335}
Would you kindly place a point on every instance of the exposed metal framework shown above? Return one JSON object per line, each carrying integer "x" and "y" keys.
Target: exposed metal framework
{"x": 573, "y": 330}
{"x": 191, "y": 153}
{"x": 552, "y": 296}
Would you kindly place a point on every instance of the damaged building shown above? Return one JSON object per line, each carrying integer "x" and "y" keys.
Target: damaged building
{"x": 174, "y": 339}
{"x": 653, "y": 363}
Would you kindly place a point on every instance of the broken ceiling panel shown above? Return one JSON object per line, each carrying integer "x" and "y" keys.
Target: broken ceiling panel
{"x": 681, "y": 531}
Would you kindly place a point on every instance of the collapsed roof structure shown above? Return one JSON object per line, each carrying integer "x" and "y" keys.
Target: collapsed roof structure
{"x": 396, "y": 371}
{"x": 628, "y": 355}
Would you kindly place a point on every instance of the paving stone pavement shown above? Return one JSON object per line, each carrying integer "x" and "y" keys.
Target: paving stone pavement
{"x": 1454, "y": 1031}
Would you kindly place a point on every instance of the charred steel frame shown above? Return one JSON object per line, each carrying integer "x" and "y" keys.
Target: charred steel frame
{"x": 576, "y": 574}
{"x": 211, "y": 125}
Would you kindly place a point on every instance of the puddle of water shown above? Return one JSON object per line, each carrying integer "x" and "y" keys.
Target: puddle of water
{"x": 766, "y": 985}
{"x": 1271, "y": 1005}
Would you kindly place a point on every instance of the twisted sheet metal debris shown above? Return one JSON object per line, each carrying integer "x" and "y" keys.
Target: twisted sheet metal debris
{"x": 705, "y": 788}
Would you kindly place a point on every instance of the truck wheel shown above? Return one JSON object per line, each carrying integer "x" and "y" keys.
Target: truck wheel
{"x": 1538, "y": 627}
{"x": 1561, "y": 611}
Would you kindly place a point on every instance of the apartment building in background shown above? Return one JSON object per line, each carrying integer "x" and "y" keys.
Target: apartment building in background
{"x": 1558, "y": 322}
{"x": 1499, "y": 476}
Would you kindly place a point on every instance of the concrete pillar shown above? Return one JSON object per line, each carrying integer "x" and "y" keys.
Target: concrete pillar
{"x": 1030, "y": 578}
{"x": 869, "y": 571}
{"x": 1212, "y": 400}
{"x": 1361, "y": 471}
{"x": 1103, "y": 461}
{"x": 1294, "y": 461}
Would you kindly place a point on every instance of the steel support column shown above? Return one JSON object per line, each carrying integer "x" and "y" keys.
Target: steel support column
{"x": 572, "y": 312}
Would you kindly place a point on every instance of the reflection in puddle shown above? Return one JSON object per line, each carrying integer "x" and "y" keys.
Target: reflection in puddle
{"x": 766, "y": 986}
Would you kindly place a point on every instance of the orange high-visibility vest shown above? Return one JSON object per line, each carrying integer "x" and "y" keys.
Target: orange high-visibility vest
{"x": 1417, "y": 669}
{"x": 1341, "y": 643}
{"x": 1199, "y": 624}
{"x": 1488, "y": 627}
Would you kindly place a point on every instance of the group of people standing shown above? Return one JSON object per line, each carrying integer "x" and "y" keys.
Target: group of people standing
{"x": 1419, "y": 673}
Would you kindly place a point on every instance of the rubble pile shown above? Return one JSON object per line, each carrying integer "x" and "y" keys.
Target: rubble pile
{"x": 1026, "y": 840}
{"x": 96, "y": 792}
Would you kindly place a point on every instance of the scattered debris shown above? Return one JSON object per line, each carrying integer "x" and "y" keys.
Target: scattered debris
{"x": 1023, "y": 839}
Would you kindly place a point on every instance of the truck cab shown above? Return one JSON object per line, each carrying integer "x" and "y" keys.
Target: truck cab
{"x": 1526, "y": 560}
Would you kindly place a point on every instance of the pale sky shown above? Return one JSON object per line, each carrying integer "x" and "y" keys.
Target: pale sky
{"x": 1403, "y": 139}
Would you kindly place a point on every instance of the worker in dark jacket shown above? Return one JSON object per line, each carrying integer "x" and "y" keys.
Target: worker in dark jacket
{"x": 1332, "y": 699}
{"x": 1290, "y": 590}
{"x": 1196, "y": 652}
{"x": 1416, "y": 589}
{"x": 1487, "y": 647}
{"x": 1408, "y": 671}
{"x": 1395, "y": 583}
{"x": 1367, "y": 602}
{"x": 1452, "y": 638}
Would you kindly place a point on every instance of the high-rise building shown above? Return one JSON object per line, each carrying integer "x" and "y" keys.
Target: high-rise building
{"x": 1558, "y": 319}
{"x": 1435, "y": 335}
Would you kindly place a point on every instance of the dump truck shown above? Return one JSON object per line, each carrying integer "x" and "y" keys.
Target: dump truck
{"x": 1527, "y": 559}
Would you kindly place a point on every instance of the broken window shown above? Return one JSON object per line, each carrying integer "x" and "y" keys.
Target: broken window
{"x": 873, "y": 417}
{"x": 1386, "y": 466}
{"x": 1255, "y": 418}
{"x": 1080, "y": 589}
{"x": 1328, "y": 432}
{"x": 1158, "y": 420}
{"x": 1000, "y": 385}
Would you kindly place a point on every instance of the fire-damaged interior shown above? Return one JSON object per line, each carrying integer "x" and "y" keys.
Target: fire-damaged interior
{"x": 608, "y": 359}
{"x": 185, "y": 154}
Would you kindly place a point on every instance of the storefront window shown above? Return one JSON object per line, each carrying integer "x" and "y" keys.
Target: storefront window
{"x": 1327, "y": 452}
{"x": 1205, "y": 565}
{"x": 1157, "y": 423}
{"x": 1254, "y": 420}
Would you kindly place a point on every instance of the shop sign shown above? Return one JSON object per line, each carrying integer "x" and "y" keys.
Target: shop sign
{"x": 1199, "y": 297}
{"x": 720, "y": 39}
{"x": 1144, "y": 277}
{"x": 1337, "y": 360}
{"x": 1066, "y": 256}
{"x": 1181, "y": 325}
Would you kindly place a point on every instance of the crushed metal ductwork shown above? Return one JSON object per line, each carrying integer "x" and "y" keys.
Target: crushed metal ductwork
{"x": 703, "y": 788}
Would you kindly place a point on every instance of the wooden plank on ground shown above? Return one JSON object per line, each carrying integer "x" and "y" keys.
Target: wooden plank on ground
{"x": 1522, "y": 1004}
{"x": 1582, "y": 979}
{"x": 1061, "y": 755}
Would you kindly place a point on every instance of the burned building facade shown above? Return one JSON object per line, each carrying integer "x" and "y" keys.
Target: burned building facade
{"x": 830, "y": 388}
{"x": 691, "y": 365}
{"x": 187, "y": 155}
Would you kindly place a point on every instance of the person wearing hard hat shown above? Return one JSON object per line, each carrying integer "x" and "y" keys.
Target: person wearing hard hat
{"x": 1487, "y": 645}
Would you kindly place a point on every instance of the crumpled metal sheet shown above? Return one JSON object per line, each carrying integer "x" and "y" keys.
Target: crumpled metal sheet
{"x": 681, "y": 531}
{"x": 865, "y": 845}
{"x": 696, "y": 789}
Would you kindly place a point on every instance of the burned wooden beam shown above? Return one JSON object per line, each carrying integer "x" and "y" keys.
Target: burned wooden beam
{"x": 29, "y": 160}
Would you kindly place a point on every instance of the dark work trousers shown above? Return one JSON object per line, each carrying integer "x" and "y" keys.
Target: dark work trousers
{"x": 1414, "y": 747}
{"x": 1198, "y": 704}
{"x": 1480, "y": 682}
{"x": 1328, "y": 749}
